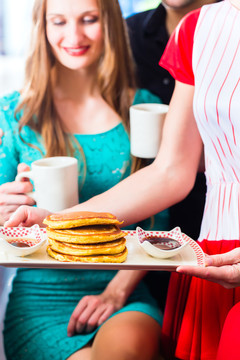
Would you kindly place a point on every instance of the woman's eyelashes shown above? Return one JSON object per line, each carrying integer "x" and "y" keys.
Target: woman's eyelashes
{"x": 84, "y": 20}
{"x": 58, "y": 22}
{"x": 90, "y": 19}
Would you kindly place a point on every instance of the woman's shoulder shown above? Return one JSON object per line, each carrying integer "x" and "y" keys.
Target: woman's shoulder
{"x": 9, "y": 101}
{"x": 145, "y": 96}
{"x": 8, "y": 105}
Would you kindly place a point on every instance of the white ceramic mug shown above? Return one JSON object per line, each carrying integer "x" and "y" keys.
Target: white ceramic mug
{"x": 55, "y": 181}
{"x": 146, "y": 123}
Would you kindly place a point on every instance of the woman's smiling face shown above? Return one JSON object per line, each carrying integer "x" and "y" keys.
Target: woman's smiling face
{"x": 74, "y": 32}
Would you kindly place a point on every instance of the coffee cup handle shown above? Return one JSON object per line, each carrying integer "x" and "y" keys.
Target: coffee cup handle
{"x": 29, "y": 175}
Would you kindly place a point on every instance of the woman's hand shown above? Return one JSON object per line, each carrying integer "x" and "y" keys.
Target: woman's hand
{"x": 92, "y": 311}
{"x": 27, "y": 216}
{"x": 223, "y": 269}
{"x": 13, "y": 194}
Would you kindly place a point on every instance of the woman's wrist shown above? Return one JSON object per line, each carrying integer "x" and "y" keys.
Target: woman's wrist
{"x": 123, "y": 284}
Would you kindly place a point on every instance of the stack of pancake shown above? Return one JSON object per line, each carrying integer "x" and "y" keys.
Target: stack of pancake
{"x": 85, "y": 237}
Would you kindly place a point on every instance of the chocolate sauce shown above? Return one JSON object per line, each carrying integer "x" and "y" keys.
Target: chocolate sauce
{"x": 19, "y": 244}
{"x": 163, "y": 243}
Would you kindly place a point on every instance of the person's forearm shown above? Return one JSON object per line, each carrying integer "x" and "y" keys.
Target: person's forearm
{"x": 124, "y": 283}
{"x": 163, "y": 183}
{"x": 169, "y": 178}
{"x": 140, "y": 196}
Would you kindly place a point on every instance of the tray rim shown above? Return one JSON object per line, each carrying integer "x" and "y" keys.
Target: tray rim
{"x": 54, "y": 264}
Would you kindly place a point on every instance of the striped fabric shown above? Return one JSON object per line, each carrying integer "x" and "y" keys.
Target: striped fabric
{"x": 216, "y": 60}
{"x": 196, "y": 309}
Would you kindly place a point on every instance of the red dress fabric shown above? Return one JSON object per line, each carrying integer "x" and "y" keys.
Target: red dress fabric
{"x": 196, "y": 309}
{"x": 229, "y": 343}
{"x": 202, "y": 318}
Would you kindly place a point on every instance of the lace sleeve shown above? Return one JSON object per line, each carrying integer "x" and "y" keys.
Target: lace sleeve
{"x": 8, "y": 153}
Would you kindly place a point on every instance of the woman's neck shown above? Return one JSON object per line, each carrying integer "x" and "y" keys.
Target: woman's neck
{"x": 79, "y": 103}
{"x": 175, "y": 14}
{"x": 75, "y": 85}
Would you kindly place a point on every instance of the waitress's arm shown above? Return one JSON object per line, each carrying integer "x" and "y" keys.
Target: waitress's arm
{"x": 156, "y": 187}
{"x": 169, "y": 178}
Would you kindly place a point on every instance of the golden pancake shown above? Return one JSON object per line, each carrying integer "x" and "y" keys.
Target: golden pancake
{"x": 79, "y": 218}
{"x": 113, "y": 247}
{"x": 116, "y": 258}
{"x": 87, "y": 234}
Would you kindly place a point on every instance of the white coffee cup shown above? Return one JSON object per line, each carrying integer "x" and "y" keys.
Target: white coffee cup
{"x": 55, "y": 181}
{"x": 146, "y": 123}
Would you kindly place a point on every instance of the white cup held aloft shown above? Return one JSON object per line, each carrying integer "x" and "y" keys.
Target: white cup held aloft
{"x": 146, "y": 123}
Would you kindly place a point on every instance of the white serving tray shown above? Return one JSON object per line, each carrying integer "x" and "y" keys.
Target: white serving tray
{"x": 191, "y": 254}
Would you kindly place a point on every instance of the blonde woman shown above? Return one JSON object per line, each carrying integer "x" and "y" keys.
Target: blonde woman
{"x": 78, "y": 87}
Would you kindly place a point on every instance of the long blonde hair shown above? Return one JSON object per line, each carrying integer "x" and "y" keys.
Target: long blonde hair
{"x": 115, "y": 76}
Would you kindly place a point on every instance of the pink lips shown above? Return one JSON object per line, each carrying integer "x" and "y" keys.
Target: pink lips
{"x": 76, "y": 51}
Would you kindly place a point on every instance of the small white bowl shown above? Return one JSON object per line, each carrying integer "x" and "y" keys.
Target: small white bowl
{"x": 175, "y": 234}
{"x": 33, "y": 237}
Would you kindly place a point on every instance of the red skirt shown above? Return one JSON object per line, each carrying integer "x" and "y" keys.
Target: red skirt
{"x": 196, "y": 310}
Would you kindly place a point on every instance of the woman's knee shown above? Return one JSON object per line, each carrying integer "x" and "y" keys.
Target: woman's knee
{"x": 130, "y": 336}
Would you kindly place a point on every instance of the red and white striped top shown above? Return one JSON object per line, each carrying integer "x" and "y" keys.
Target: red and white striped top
{"x": 214, "y": 54}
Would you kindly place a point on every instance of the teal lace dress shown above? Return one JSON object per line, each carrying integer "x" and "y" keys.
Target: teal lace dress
{"x": 42, "y": 300}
